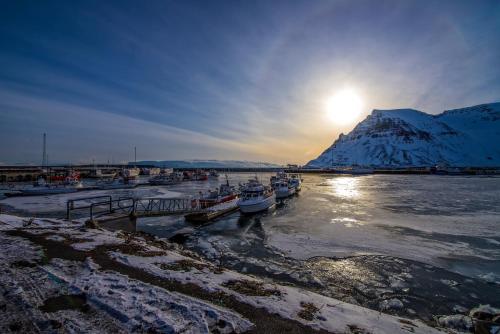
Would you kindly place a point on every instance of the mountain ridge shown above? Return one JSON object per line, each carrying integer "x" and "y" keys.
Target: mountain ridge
{"x": 411, "y": 138}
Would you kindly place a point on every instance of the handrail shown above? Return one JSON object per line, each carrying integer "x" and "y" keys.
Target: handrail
{"x": 70, "y": 204}
{"x": 130, "y": 205}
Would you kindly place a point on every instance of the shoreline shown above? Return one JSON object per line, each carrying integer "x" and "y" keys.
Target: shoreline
{"x": 165, "y": 266}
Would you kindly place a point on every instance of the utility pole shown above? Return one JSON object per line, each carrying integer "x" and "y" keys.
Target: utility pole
{"x": 44, "y": 157}
{"x": 135, "y": 154}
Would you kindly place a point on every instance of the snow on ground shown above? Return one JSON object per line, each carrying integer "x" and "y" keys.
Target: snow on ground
{"x": 24, "y": 288}
{"x": 8, "y": 222}
{"x": 309, "y": 308}
{"x": 141, "y": 306}
{"x": 138, "y": 304}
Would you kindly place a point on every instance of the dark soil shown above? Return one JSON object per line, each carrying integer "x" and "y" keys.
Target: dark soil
{"x": 308, "y": 311}
{"x": 65, "y": 302}
{"x": 264, "y": 322}
{"x": 251, "y": 288}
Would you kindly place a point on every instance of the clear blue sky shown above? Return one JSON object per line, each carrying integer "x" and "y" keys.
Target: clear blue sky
{"x": 228, "y": 79}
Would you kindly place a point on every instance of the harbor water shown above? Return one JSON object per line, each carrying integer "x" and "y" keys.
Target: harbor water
{"x": 414, "y": 245}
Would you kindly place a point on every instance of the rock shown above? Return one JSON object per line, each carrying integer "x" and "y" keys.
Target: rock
{"x": 391, "y": 304}
{"x": 484, "y": 312}
{"x": 485, "y": 327}
{"x": 92, "y": 224}
{"x": 456, "y": 321}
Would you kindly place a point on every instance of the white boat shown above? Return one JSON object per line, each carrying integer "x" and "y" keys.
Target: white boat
{"x": 99, "y": 173}
{"x": 279, "y": 175}
{"x": 151, "y": 171}
{"x": 283, "y": 189}
{"x": 213, "y": 174}
{"x": 296, "y": 181}
{"x": 130, "y": 173}
{"x": 40, "y": 187}
{"x": 256, "y": 197}
{"x": 166, "y": 179}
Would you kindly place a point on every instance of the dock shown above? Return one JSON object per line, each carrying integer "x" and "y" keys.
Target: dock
{"x": 213, "y": 212}
{"x": 106, "y": 208}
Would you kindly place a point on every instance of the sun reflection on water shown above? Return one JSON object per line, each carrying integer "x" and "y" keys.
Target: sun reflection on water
{"x": 345, "y": 187}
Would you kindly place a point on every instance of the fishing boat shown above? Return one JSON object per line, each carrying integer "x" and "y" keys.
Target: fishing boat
{"x": 198, "y": 175}
{"x": 151, "y": 171}
{"x": 101, "y": 174}
{"x": 166, "y": 179}
{"x": 279, "y": 175}
{"x": 130, "y": 173}
{"x": 283, "y": 188}
{"x": 295, "y": 181}
{"x": 115, "y": 183}
{"x": 41, "y": 187}
{"x": 213, "y": 174}
{"x": 256, "y": 197}
{"x": 224, "y": 193}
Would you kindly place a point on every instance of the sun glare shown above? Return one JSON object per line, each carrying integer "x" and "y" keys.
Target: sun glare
{"x": 344, "y": 107}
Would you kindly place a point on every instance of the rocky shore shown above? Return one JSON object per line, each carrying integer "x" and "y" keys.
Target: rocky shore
{"x": 60, "y": 276}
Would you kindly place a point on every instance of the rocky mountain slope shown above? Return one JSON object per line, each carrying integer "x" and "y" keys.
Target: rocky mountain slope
{"x": 406, "y": 137}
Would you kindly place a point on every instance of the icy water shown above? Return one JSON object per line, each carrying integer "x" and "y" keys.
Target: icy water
{"x": 413, "y": 245}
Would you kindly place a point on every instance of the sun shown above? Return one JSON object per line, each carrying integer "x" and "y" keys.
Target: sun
{"x": 344, "y": 107}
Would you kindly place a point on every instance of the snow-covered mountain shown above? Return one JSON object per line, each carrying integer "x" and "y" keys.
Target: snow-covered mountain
{"x": 407, "y": 137}
{"x": 206, "y": 164}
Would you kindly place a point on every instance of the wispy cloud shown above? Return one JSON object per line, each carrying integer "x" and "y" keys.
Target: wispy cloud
{"x": 233, "y": 80}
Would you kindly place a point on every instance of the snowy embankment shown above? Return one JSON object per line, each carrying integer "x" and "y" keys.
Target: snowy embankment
{"x": 132, "y": 304}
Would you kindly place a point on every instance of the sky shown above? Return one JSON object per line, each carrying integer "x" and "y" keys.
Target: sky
{"x": 230, "y": 80}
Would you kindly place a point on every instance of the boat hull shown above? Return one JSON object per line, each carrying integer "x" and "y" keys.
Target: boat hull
{"x": 258, "y": 205}
{"x": 205, "y": 203}
{"x": 281, "y": 194}
{"x": 29, "y": 192}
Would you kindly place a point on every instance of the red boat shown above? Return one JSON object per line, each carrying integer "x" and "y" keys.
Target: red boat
{"x": 64, "y": 177}
{"x": 224, "y": 193}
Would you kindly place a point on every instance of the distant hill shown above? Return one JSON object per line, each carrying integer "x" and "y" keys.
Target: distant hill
{"x": 206, "y": 164}
{"x": 410, "y": 138}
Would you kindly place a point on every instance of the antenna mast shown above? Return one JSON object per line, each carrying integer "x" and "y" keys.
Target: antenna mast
{"x": 44, "y": 157}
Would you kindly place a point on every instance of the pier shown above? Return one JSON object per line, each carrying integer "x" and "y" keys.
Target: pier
{"x": 105, "y": 208}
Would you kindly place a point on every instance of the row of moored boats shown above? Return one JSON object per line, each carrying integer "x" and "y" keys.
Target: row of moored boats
{"x": 256, "y": 197}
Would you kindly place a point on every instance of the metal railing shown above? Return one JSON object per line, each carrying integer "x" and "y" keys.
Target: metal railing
{"x": 159, "y": 206}
{"x": 100, "y": 205}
